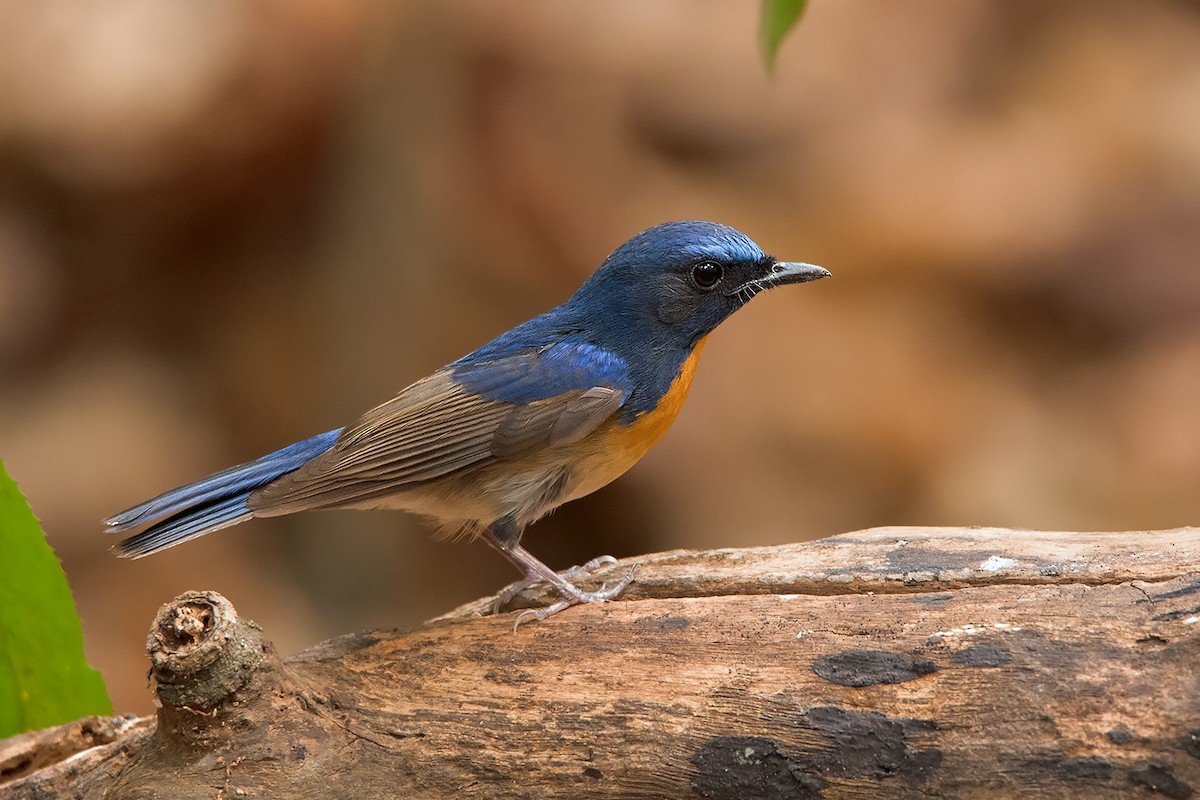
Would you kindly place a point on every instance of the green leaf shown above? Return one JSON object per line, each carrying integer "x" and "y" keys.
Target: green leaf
{"x": 778, "y": 19}
{"x": 44, "y": 678}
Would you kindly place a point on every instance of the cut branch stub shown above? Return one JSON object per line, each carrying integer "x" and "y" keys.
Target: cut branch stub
{"x": 200, "y": 651}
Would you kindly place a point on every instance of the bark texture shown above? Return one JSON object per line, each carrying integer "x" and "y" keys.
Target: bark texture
{"x": 890, "y": 663}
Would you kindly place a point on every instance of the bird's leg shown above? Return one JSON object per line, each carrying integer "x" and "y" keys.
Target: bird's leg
{"x": 535, "y": 571}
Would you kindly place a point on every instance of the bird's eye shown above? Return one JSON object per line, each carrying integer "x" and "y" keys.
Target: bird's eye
{"x": 707, "y": 274}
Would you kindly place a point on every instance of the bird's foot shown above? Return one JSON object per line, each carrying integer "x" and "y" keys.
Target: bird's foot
{"x": 506, "y": 596}
{"x": 572, "y": 595}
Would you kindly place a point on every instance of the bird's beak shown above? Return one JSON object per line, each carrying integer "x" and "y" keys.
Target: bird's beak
{"x": 782, "y": 272}
{"x": 795, "y": 272}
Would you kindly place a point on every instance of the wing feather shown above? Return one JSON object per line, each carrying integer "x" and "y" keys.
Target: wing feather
{"x": 439, "y": 426}
{"x": 557, "y": 421}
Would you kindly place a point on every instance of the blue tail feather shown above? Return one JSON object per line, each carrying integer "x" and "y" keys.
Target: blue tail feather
{"x": 211, "y": 503}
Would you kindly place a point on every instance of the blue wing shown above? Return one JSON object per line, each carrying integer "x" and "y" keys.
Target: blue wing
{"x": 534, "y": 374}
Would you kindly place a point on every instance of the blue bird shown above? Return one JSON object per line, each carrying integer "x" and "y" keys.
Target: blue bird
{"x": 546, "y": 413}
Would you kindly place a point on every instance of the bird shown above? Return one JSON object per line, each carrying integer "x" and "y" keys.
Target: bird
{"x": 552, "y": 410}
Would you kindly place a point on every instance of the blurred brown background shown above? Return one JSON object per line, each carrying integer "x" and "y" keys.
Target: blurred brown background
{"x": 226, "y": 226}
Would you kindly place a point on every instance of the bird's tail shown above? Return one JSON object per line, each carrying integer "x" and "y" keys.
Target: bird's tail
{"x": 211, "y": 503}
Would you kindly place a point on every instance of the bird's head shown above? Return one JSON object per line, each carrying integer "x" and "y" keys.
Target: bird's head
{"x": 684, "y": 277}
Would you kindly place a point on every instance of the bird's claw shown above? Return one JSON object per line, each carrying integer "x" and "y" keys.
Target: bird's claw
{"x": 506, "y": 596}
{"x": 571, "y": 595}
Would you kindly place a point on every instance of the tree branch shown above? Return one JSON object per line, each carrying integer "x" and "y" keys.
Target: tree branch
{"x": 891, "y": 663}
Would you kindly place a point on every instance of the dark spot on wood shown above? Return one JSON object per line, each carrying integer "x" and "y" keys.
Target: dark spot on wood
{"x": 830, "y": 744}
{"x": 1120, "y": 735}
{"x": 1190, "y": 742}
{"x": 1171, "y": 616}
{"x": 593, "y": 773}
{"x": 19, "y": 767}
{"x": 299, "y": 752}
{"x": 932, "y": 600}
{"x": 751, "y": 768}
{"x": 857, "y": 744}
{"x": 1159, "y": 778}
{"x": 983, "y": 655}
{"x": 871, "y": 667}
{"x": 1085, "y": 768}
{"x": 927, "y": 559}
{"x": 1191, "y": 588}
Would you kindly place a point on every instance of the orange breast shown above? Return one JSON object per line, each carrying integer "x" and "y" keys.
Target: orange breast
{"x": 608, "y": 453}
{"x": 633, "y": 440}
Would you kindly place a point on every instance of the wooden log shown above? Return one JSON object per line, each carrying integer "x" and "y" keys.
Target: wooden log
{"x": 890, "y": 663}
